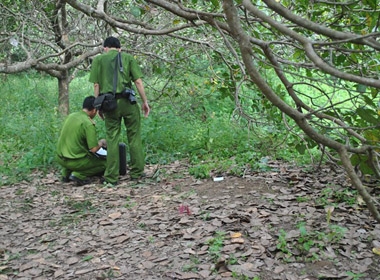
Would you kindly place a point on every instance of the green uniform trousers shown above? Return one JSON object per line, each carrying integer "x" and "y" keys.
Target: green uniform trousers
{"x": 82, "y": 167}
{"x": 130, "y": 114}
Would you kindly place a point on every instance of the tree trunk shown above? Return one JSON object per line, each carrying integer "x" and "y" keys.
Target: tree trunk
{"x": 63, "y": 95}
{"x": 356, "y": 182}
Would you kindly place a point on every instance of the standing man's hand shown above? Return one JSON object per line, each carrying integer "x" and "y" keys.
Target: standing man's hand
{"x": 96, "y": 94}
{"x": 146, "y": 109}
{"x": 140, "y": 88}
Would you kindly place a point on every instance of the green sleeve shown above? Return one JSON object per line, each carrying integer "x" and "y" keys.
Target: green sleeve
{"x": 94, "y": 76}
{"x": 135, "y": 69}
{"x": 92, "y": 140}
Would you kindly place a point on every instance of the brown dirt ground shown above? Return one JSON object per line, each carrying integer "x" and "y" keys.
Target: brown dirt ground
{"x": 264, "y": 225}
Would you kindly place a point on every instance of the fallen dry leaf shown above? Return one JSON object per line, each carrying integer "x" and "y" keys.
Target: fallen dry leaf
{"x": 236, "y": 235}
{"x": 115, "y": 215}
{"x": 376, "y": 251}
{"x": 237, "y": 240}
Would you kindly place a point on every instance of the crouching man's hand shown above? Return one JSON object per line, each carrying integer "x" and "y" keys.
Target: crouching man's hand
{"x": 102, "y": 143}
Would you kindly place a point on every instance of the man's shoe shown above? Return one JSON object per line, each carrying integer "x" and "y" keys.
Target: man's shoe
{"x": 65, "y": 179}
{"x": 79, "y": 182}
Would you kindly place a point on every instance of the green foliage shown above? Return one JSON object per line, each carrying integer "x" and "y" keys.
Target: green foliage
{"x": 29, "y": 127}
{"x": 215, "y": 245}
{"x": 239, "y": 276}
{"x": 282, "y": 243}
{"x": 308, "y": 240}
{"x": 201, "y": 127}
{"x": 87, "y": 258}
{"x": 130, "y": 203}
{"x": 355, "y": 276}
{"x": 304, "y": 242}
{"x": 200, "y": 171}
{"x": 334, "y": 234}
{"x": 334, "y": 195}
{"x": 193, "y": 266}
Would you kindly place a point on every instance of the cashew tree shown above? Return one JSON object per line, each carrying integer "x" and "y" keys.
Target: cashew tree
{"x": 47, "y": 36}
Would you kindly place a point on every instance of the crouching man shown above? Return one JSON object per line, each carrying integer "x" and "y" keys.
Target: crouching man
{"x": 77, "y": 145}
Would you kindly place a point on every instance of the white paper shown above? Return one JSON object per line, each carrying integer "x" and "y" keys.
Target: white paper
{"x": 102, "y": 152}
{"x": 218, "y": 179}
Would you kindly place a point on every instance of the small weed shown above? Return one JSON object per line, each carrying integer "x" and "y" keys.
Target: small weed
{"x": 189, "y": 268}
{"x": 239, "y": 276}
{"x": 129, "y": 203}
{"x": 52, "y": 223}
{"x": 301, "y": 199}
{"x": 194, "y": 259}
{"x": 232, "y": 260}
{"x": 12, "y": 257}
{"x": 325, "y": 198}
{"x": 216, "y": 244}
{"x": 177, "y": 188}
{"x": 306, "y": 240}
{"x": 32, "y": 251}
{"x": 243, "y": 258}
{"x": 69, "y": 219}
{"x": 19, "y": 192}
{"x": 193, "y": 266}
{"x": 333, "y": 196}
{"x": 282, "y": 244}
{"x": 87, "y": 258}
{"x": 270, "y": 200}
{"x": 142, "y": 225}
{"x": 188, "y": 194}
{"x": 83, "y": 206}
{"x": 355, "y": 276}
{"x": 7, "y": 271}
{"x": 54, "y": 193}
{"x": 334, "y": 234}
{"x": 205, "y": 216}
{"x": 109, "y": 274}
{"x": 347, "y": 196}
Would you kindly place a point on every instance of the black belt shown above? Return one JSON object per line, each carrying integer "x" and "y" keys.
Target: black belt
{"x": 119, "y": 95}
{"x": 122, "y": 95}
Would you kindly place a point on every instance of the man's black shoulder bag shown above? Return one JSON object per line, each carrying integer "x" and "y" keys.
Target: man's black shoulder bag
{"x": 106, "y": 102}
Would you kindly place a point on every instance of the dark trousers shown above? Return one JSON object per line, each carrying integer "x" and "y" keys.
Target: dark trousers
{"x": 131, "y": 116}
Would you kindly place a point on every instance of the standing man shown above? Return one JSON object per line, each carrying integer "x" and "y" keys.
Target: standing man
{"x": 102, "y": 75}
{"x": 77, "y": 145}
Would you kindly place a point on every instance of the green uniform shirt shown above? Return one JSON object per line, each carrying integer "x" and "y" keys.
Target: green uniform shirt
{"x": 78, "y": 136}
{"x": 102, "y": 71}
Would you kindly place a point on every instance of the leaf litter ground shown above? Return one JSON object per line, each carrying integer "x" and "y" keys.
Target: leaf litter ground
{"x": 286, "y": 223}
